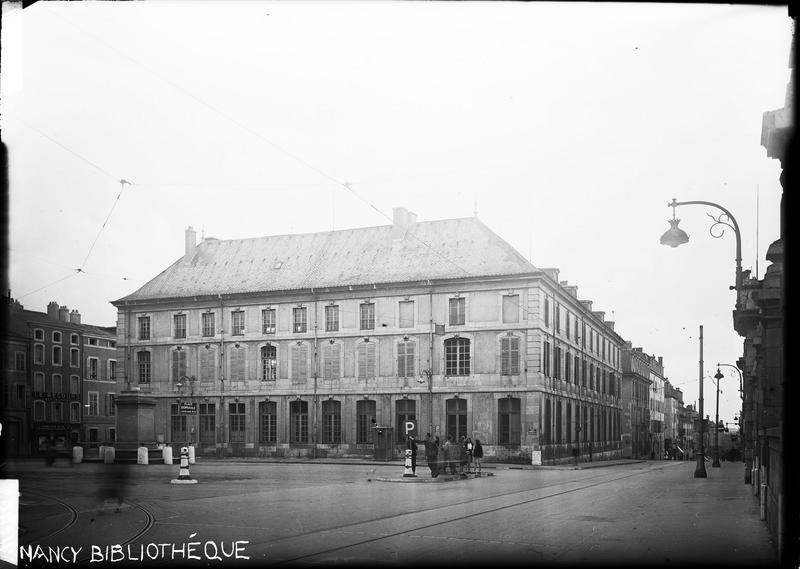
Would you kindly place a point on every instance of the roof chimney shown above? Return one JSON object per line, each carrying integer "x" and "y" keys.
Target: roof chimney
{"x": 191, "y": 243}
{"x": 552, "y": 273}
{"x": 403, "y": 220}
{"x": 52, "y": 309}
{"x": 587, "y": 304}
{"x": 63, "y": 314}
{"x": 75, "y": 317}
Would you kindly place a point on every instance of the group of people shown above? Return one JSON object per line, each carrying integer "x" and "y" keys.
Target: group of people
{"x": 458, "y": 457}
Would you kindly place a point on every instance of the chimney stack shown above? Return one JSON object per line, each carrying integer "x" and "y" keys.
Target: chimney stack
{"x": 63, "y": 314}
{"x": 75, "y": 317}
{"x": 403, "y": 221}
{"x": 191, "y": 243}
{"x": 52, "y": 309}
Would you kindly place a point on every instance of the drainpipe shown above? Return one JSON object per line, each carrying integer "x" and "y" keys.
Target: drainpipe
{"x": 316, "y": 363}
{"x": 430, "y": 364}
{"x": 221, "y": 428}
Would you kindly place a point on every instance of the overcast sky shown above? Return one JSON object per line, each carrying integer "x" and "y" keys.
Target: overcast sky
{"x": 567, "y": 127}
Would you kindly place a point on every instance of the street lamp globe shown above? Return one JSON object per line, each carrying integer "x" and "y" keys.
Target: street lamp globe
{"x": 674, "y": 236}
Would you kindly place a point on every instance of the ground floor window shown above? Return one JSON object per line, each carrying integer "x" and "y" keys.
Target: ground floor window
{"x": 268, "y": 422}
{"x": 236, "y": 422}
{"x": 331, "y": 422}
{"x": 179, "y": 432}
{"x": 508, "y": 421}
{"x": 456, "y": 420}
{"x": 208, "y": 422}
{"x": 365, "y": 414}
{"x": 298, "y": 422}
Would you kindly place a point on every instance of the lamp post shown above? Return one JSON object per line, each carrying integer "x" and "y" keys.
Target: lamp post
{"x": 675, "y": 236}
{"x": 741, "y": 382}
{"x": 700, "y": 468}
{"x": 715, "y": 464}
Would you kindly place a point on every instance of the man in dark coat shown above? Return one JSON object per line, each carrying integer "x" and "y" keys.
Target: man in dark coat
{"x": 431, "y": 454}
{"x": 411, "y": 444}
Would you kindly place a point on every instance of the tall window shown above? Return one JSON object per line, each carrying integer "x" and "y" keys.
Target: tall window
{"x": 38, "y": 410}
{"x": 74, "y": 357}
{"x": 566, "y": 327}
{"x": 207, "y": 356}
{"x": 237, "y": 363}
{"x": 73, "y": 339}
{"x": 511, "y": 308}
{"x": 268, "y": 321}
{"x": 208, "y": 422}
{"x": 74, "y": 412}
{"x": 406, "y": 312}
{"x": 112, "y": 370}
{"x": 112, "y": 404}
{"x": 38, "y": 353}
{"x": 331, "y": 422}
{"x": 74, "y": 384}
{"x": 298, "y": 421}
{"x": 57, "y": 412}
{"x": 509, "y": 355}
{"x": 236, "y": 417}
{"x": 19, "y": 361}
{"x": 237, "y": 323}
{"x": 508, "y": 421}
{"x": 209, "y": 325}
{"x": 557, "y": 363}
{"x": 365, "y": 355}
{"x": 57, "y": 384}
{"x": 268, "y": 422}
{"x": 178, "y": 364}
{"x": 456, "y": 419}
{"x": 144, "y": 327}
{"x": 299, "y": 319}
{"x": 567, "y": 367}
{"x": 546, "y": 359}
{"x": 179, "y": 325}
{"x": 365, "y": 413}
{"x": 612, "y": 384}
{"x": 456, "y": 356}
{"x": 331, "y": 356}
{"x": 547, "y": 428}
{"x": 569, "y": 423}
{"x": 93, "y": 410}
{"x": 38, "y": 381}
{"x": 559, "y": 431}
{"x": 48, "y": 384}
{"x": 56, "y": 355}
{"x": 38, "y": 334}
{"x": 458, "y": 311}
{"x": 178, "y": 423}
{"x": 331, "y": 318}
{"x": 143, "y": 363}
{"x": 299, "y": 363}
{"x": 547, "y": 311}
{"x": 269, "y": 363}
{"x": 597, "y": 378}
{"x": 576, "y": 370}
{"x": 366, "y": 311}
{"x": 558, "y": 317}
{"x": 583, "y": 336}
{"x": 406, "y": 355}
{"x": 406, "y": 410}
{"x": 93, "y": 364}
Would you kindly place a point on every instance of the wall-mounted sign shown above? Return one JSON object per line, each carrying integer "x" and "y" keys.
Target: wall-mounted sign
{"x": 188, "y": 407}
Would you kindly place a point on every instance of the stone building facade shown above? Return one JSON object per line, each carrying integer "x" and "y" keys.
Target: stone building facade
{"x": 338, "y": 343}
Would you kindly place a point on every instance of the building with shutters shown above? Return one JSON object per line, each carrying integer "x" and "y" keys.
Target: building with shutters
{"x": 49, "y": 393}
{"x": 318, "y": 344}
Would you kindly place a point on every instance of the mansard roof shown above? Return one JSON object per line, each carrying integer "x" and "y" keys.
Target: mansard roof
{"x": 431, "y": 250}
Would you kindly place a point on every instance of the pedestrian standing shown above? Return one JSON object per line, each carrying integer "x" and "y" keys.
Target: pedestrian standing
{"x": 431, "y": 452}
{"x": 468, "y": 448}
{"x": 451, "y": 454}
{"x": 477, "y": 455}
{"x": 441, "y": 460}
{"x": 411, "y": 444}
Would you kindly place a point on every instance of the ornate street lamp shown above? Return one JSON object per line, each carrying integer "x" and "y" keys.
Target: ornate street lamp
{"x": 675, "y": 236}
{"x": 715, "y": 464}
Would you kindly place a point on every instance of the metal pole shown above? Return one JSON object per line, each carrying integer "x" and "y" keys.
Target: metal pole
{"x": 715, "y": 464}
{"x": 700, "y": 469}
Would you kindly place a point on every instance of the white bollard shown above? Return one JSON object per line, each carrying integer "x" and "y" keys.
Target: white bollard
{"x": 109, "y": 456}
{"x": 101, "y": 452}
{"x": 141, "y": 455}
{"x": 191, "y": 454}
{"x": 408, "y": 473}
{"x": 77, "y": 455}
{"x": 183, "y": 474}
{"x": 166, "y": 454}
